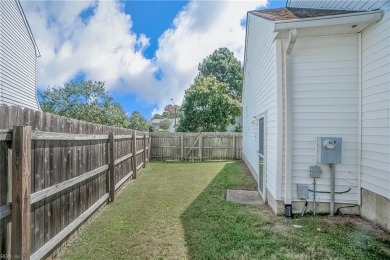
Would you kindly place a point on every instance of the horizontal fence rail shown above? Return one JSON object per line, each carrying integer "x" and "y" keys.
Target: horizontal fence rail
{"x": 196, "y": 146}
{"x": 55, "y": 172}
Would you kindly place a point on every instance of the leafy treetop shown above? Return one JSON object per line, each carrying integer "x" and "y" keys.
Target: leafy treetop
{"x": 207, "y": 107}
{"x": 165, "y": 124}
{"x": 226, "y": 69}
{"x": 89, "y": 101}
{"x": 137, "y": 122}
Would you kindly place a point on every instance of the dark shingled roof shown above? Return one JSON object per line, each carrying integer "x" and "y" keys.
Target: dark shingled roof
{"x": 289, "y": 13}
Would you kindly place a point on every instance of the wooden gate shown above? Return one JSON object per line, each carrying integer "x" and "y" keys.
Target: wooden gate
{"x": 196, "y": 146}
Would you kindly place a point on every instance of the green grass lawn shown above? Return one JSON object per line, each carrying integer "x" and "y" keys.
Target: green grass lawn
{"x": 178, "y": 211}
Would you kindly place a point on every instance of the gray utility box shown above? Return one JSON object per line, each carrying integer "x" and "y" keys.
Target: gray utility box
{"x": 329, "y": 150}
{"x": 303, "y": 191}
{"x": 315, "y": 171}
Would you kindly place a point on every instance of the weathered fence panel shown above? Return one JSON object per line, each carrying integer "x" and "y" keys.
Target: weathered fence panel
{"x": 196, "y": 146}
{"x": 74, "y": 169}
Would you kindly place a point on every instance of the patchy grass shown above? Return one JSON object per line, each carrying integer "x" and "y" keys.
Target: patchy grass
{"x": 178, "y": 211}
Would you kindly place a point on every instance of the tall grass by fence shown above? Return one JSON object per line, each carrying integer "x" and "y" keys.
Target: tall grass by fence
{"x": 55, "y": 172}
{"x": 196, "y": 146}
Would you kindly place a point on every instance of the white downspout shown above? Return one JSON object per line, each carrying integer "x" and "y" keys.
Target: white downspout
{"x": 287, "y": 120}
{"x": 359, "y": 169}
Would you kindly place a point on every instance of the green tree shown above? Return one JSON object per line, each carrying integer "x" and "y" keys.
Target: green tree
{"x": 157, "y": 116}
{"x": 86, "y": 100}
{"x": 165, "y": 124}
{"x": 225, "y": 68}
{"x": 238, "y": 128}
{"x": 166, "y": 115}
{"x": 207, "y": 107}
{"x": 137, "y": 122}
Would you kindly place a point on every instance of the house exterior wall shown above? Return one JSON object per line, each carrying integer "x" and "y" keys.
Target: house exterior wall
{"x": 325, "y": 103}
{"x": 259, "y": 96}
{"x": 375, "y": 107}
{"x": 17, "y": 58}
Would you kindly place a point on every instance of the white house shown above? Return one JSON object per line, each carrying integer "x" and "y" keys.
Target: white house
{"x": 18, "y": 53}
{"x": 172, "y": 127}
{"x": 320, "y": 69}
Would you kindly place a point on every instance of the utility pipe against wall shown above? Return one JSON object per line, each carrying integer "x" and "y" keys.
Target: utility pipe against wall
{"x": 314, "y": 197}
{"x": 332, "y": 187}
{"x": 293, "y": 34}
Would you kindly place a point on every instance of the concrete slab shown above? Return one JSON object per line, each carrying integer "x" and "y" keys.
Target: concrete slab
{"x": 243, "y": 196}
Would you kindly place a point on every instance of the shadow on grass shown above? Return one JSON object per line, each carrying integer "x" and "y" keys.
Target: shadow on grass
{"x": 218, "y": 229}
{"x": 215, "y": 228}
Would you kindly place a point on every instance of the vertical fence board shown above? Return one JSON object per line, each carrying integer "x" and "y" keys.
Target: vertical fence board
{"x": 56, "y": 176}
{"x": 112, "y": 167}
{"x": 64, "y": 173}
{"x": 83, "y": 166}
{"x": 144, "y": 152}
{"x": 134, "y": 151}
{"x": 3, "y": 195}
{"x": 56, "y": 161}
{"x": 46, "y": 179}
{"x": 4, "y": 124}
{"x": 38, "y": 179}
{"x": 120, "y": 154}
{"x": 29, "y": 120}
{"x": 106, "y": 154}
{"x": 73, "y": 173}
{"x": 21, "y": 183}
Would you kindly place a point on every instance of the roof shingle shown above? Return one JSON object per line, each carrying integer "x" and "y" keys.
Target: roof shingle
{"x": 280, "y": 14}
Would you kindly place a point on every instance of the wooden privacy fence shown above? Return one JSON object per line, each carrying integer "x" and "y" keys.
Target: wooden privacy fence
{"x": 55, "y": 173}
{"x": 196, "y": 146}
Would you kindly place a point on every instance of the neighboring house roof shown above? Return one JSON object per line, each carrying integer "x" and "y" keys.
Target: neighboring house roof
{"x": 156, "y": 123}
{"x": 289, "y": 13}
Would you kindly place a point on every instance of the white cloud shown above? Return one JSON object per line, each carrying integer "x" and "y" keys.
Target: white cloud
{"x": 103, "y": 47}
{"x": 200, "y": 28}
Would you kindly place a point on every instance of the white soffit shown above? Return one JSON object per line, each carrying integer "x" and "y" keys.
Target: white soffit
{"x": 328, "y": 25}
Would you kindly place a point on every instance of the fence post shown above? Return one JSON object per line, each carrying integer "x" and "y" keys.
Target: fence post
{"x": 134, "y": 150}
{"x": 182, "y": 147}
{"x": 112, "y": 167}
{"x": 234, "y": 146}
{"x": 150, "y": 146}
{"x": 201, "y": 147}
{"x": 144, "y": 153}
{"x": 21, "y": 192}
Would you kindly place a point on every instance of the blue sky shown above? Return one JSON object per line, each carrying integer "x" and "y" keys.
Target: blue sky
{"x": 147, "y": 52}
{"x": 151, "y": 18}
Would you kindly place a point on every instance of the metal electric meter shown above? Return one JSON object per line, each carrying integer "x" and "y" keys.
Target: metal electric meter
{"x": 329, "y": 150}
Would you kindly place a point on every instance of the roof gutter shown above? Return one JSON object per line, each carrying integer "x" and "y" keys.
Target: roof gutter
{"x": 332, "y": 20}
{"x": 293, "y": 34}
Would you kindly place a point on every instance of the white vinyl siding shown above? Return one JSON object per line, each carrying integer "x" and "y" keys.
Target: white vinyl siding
{"x": 17, "y": 58}
{"x": 376, "y": 106}
{"x": 325, "y": 103}
{"x": 259, "y": 95}
{"x": 375, "y": 160}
